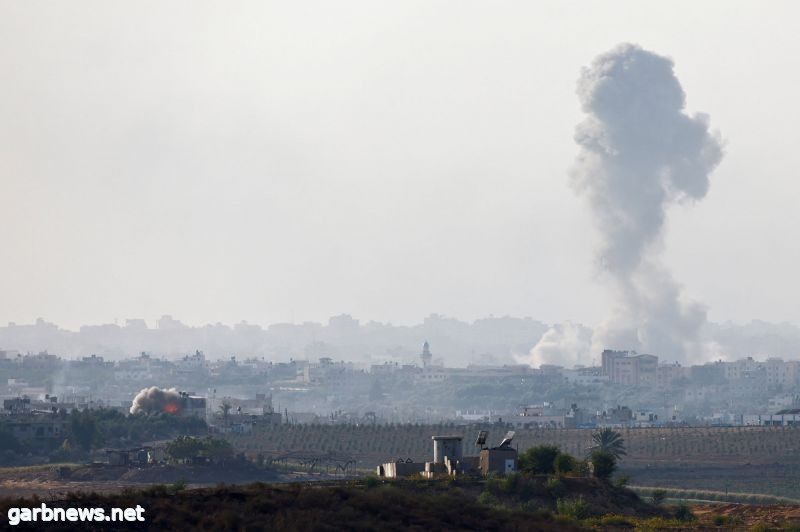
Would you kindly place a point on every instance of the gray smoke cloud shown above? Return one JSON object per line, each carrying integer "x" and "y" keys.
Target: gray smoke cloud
{"x": 154, "y": 399}
{"x": 564, "y": 344}
{"x": 640, "y": 153}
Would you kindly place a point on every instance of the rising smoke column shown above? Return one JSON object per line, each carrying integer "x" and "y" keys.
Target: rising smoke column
{"x": 639, "y": 154}
{"x": 153, "y": 400}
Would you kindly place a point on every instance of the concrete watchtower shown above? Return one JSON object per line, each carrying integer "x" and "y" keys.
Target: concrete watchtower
{"x": 446, "y": 446}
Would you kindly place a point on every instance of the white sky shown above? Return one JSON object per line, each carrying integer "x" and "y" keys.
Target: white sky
{"x": 271, "y": 161}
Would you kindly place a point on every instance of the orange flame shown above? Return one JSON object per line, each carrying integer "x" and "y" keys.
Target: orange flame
{"x": 171, "y": 408}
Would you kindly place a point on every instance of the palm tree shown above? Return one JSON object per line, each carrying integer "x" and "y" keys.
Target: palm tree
{"x": 608, "y": 440}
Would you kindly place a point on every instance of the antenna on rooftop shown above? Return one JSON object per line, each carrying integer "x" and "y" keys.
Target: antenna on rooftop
{"x": 507, "y": 439}
{"x": 481, "y": 441}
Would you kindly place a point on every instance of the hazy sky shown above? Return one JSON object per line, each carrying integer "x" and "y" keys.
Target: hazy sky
{"x": 271, "y": 161}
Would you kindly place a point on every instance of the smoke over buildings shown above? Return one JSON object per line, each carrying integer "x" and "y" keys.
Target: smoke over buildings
{"x": 154, "y": 400}
{"x": 564, "y": 344}
{"x": 640, "y": 153}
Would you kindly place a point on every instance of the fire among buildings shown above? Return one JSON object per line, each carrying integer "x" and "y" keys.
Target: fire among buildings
{"x": 154, "y": 400}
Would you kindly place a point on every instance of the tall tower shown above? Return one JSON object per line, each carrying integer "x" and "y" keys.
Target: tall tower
{"x": 426, "y": 355}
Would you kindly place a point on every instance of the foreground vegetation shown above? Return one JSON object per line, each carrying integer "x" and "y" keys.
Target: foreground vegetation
{"x": 552, "y": 491}
{"x": 515, "y": 502}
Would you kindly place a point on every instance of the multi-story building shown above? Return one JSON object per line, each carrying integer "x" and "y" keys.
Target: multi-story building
{"x": 629, "y": 368}
{"x": 780, "y": 373}
{"x": 745, "y": 368}
{"x": 666, "y": 374}
{"x": 585, "y": 376}
{"x": 37, "y": 428}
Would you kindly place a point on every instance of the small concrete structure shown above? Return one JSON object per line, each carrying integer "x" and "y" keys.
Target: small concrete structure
{"x": 400, "y": 469}
{"x": 446, "y": 447}
{"x": 449, "y": 460}
{"x": 501, "y": 460}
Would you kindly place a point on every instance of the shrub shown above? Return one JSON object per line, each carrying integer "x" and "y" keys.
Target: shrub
{"x": 658, "y": 496}
{"x": 720, "y": 520}
{"x": 684, "y": 513}
{"x": 526, "y": 490}
{"x": 175, "y": 487}
{"x": 511, "y": 483}
{"x": 564, "y": 520}
{"x": 583, "y": 468}
{"x": 539, "y": 459}
{"x": 575, "y": 508}
{"x": 658, "y": 523}
{"x": 372, "y": 482}
{"x": 487, "y": 498}
{"x": 622, "y": 481}
{"x": 615, "y": 521}
{"x": 493, "y": 484}
{"x": 555, "y": 488}
{"x": 543, "y": 514}
{"x": 564, "y": 463}
{"x": 603, "y": 464}
{"x": 156, "y": 490}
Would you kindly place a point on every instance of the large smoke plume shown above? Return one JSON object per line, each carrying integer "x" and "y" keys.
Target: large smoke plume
{"x": 639, "y": 154}
{"x": 153, "y": 400}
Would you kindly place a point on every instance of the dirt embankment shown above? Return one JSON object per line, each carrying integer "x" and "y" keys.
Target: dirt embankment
{"x": 747, "y": 515}
{"x": 56, "y": 480}
{"x": 203, "y": 474}
{"x": 199, "y": 474}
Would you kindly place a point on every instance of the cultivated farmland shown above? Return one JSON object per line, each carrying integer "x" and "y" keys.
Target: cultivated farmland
{"x": 746, "y": 459}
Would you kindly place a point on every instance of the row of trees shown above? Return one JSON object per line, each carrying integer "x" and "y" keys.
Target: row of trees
{"x": 92, "y": 429}
{"x": 548, "y": 459}
{"x": 608, "y": 447}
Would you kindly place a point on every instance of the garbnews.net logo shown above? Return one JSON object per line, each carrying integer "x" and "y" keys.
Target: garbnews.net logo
{"x": 46, "y": 514}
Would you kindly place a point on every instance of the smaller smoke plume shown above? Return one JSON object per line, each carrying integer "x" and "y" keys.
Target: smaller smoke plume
{"x": 153, "y": 400}
{"x": 566, "y": 344}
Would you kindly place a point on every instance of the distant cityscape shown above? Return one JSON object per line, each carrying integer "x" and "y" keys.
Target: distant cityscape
{"x": 626, "y": 389}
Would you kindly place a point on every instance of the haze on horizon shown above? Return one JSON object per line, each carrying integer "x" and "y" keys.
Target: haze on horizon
{"x": 286, "y": 163}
